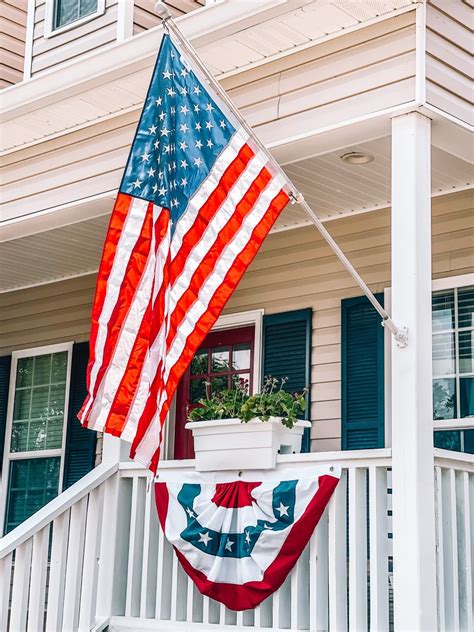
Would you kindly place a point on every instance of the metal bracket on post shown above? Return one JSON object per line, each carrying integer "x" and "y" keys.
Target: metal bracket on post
{"x": 401, "y": 337}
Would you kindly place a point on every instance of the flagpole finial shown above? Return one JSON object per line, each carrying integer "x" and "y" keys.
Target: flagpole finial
{"x": 162, "y": 11}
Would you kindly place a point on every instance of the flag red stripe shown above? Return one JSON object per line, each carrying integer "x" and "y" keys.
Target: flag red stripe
{"x": 209, "y": 208}
{"x": 134, "y": 271}
{"x": 114, "y": 230}
{"x": 210, "y": 259}
{"x": 155, "y": 311}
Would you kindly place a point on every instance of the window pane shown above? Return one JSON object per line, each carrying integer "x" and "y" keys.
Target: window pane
{"x": 443, "y": 310}
{"x": 38, "y": 412}
{"x": 466, "y": 344}
{"x": 466, "y": 307}
{"x": 241, "y": 357}
{"x": 466, "y": 387}
{"x": 32, "y": 484}
{"x": 242, "y": 380}
{"x": 219, "y": 383}
{"x": 42, "y": 370}
{"x": 24, "y": 372}
{"x": 68, "y": 11}
{"x": 443, "y": 354}
{"x": 197, "y": 390}
{"x": 199, "y": 362}
{"x": 21, "y": 408}
{"x": 444, "y": 399}
{"x": 220, "y": 360}
{"x": 448, "y": 439}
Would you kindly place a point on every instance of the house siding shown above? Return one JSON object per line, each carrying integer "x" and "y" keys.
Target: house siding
{"x": 293, "y": 270}
{"x": 449, "y": 57}
{"x": 12, "y": 41}
{"x": 74, "y": 42}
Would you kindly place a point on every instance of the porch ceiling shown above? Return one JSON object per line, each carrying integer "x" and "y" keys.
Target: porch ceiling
{"x": 333, "y": 188}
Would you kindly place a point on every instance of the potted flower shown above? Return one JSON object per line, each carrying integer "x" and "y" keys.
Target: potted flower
{"x": 233, "y": 430}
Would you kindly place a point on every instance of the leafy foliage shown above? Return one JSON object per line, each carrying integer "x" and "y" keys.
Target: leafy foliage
{"x": 273, "y": 401}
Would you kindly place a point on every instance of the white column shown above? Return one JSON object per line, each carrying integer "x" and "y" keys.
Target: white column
{"x": 414, "y": 556}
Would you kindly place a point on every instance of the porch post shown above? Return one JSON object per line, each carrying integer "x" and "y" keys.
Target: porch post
{"x": 414, "y": 555}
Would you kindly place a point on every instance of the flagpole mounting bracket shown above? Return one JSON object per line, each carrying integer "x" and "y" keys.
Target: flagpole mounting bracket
{"x": 401, "y": 337}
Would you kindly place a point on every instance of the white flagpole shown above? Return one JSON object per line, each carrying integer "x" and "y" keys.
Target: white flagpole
{"x": 401, "y": 334}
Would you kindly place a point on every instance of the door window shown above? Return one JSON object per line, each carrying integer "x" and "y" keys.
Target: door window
{"x": 224, "y": 359}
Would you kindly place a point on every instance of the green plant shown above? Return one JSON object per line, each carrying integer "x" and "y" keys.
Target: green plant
{"x": 273, "y": 401}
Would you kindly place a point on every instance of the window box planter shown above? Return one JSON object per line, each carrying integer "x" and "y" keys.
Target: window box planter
{"x": 229, "y": 444}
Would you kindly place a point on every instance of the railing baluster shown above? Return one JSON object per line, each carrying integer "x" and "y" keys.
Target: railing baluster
{"x": 338, "y": 558}
{"x": 357, "y": 549}
{"x": 39, "y": 568}
{"x": 150, "y": 553}
{"x": 21, "y": 584}
{"x": 379, "y": 616}
{"x": 318, "y": 576}
{"x": 466, "y": 531}
{"x": 135, "y": 547}
{"x": 174, "y": 587}
{"x": 57, "y": 572}
{"x": 440, "y": 579}
{"x": 5, "y": 580}
{"x": 75, "y": 554}
{"x": 90, "y": 568}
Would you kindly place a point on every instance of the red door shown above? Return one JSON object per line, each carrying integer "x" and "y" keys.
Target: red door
{"x": 224, "y": 358}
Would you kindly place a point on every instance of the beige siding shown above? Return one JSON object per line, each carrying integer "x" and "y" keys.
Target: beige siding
{"x": 75, "y": 41}
{"x": 144, "y": 15}
{"x": 294, "y": 269}
{"x": 449, "y": 60}
{"x": 12, "y": 41}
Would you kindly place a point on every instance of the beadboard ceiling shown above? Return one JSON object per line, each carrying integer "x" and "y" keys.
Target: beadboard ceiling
{"x": 332, "y": 187}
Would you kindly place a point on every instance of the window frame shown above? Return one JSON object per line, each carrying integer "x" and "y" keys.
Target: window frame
{"x": 226, "y": 321}
{"x": 32, "y": 454}
{"x": 437, "y": 285}
{"x": 50, "y": 10}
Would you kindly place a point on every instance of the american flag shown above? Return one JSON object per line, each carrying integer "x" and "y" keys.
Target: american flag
{"x": 195, "y": 203}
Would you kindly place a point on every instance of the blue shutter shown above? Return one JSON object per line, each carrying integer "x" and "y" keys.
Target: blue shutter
{"x": 5, "y": 364}
{"x": 287, "y": 353}
{"x": 80, "y": 442}
{"x": 362, "y": 374}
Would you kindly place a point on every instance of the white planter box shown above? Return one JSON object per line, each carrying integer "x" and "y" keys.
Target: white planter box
{"x": 229, "y": 444}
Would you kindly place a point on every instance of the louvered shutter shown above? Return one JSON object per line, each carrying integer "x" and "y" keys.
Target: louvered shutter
{"x": 287, "y": 353}
{"x": 80, "y": 442}
{"x": 5, "y": 365}
{"x": 362, "y": 394}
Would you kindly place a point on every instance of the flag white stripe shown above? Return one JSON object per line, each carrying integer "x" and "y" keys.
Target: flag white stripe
{"x": 118, "y": 364}
{"x": 203, "y": 193}
{"x": 154, "y": 354}
{"x": 202, "y": 247}
{"x": 131, "y": 231}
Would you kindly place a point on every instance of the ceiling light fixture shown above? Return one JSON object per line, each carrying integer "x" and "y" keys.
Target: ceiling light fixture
{"x": 357, "y": 158}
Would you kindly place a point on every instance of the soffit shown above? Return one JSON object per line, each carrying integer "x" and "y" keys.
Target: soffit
{"x": 333, "y": 188}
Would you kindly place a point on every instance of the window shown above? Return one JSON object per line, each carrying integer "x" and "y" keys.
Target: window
{"x": 453, "y": 367}
{"x": 68, "y": 11}
{"x": 225, "y": 357}
{"x": 36, "y": 426}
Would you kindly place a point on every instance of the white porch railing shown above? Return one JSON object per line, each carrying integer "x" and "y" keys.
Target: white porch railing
{"x": 95, "y": 556}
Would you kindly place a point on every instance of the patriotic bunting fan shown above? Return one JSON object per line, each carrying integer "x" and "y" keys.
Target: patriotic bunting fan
{"x": 239, "y": 539}
{"x": 196, "y": 201}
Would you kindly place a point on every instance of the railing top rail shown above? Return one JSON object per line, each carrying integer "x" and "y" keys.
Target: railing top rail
{"x": 56, "y": 507}
{"x": 454, "y": 460}
{"x": 346, "y": 459}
